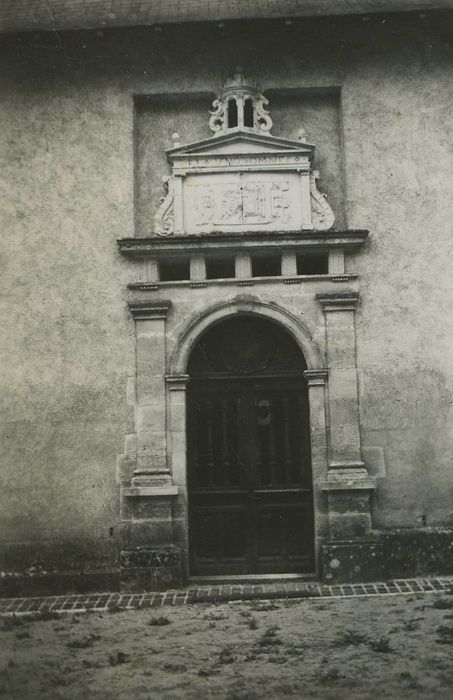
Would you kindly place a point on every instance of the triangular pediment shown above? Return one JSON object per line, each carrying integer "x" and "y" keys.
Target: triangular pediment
{"x": 241, "y": 142}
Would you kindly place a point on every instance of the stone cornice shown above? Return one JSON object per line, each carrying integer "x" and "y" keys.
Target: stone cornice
{"x": 288, "y": 147}
{"x": 145, "y": 311}
{"x": 338, "y": 301}
{"x": 240, "y": 282}
{"x": 59, "y": 15}
{"x": 154, "y": 246}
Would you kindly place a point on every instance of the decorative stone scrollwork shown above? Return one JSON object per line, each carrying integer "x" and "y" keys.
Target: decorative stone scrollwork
{"x": 240, "y": 105}
{"x": 262, "y": 116}
{"x": 217, "y": 120}
{"x": 164, "y": 220}
{"x": 322, "y": 215}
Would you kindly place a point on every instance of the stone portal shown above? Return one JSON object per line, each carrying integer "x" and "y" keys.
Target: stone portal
{"x": 260, "y": 469}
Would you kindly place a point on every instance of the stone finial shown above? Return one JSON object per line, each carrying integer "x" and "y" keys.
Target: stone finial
{"x": 240, "y": 105}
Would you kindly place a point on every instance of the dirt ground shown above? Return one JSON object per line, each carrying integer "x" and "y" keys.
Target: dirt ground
{"x": 388, "y": 647}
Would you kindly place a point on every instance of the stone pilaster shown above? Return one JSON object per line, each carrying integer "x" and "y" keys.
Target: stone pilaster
{"x": 345, "y": 449}
{"x": 178, "y": 204}
{"x": 152, "y": 469}
{"x": 243, "y": 265}
{"x": 197, "y": 267}
{"x": 177, "y": 386}
{"x": 348, "y": 485}
{"x": 289, "y": 264}
{"x": 336, "y": 261}
{"x": 316, "y": 380}
{"x": 150, "y": 558}
{"x": 150, "y": 270}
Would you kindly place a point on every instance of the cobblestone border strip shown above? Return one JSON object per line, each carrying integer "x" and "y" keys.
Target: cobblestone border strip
{"x": 219, "y": 594}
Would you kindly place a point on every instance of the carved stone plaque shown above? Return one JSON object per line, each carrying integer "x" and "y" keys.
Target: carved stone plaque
{"x": 245, "y": 202}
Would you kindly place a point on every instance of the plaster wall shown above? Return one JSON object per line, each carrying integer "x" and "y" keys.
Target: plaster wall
{"x": 71, "y": 177}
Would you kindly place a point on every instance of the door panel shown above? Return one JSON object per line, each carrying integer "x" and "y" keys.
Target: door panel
{"x": 219, "y": 538}
{"x": 214, "y": 427}
{"x": 250, "y": 498}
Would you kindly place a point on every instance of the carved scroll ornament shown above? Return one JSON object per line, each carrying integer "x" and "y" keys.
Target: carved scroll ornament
{"x": 322, "y": 215}
{"x": 217, "y": 118}
{"x": 164, "y": 220}
{"x": 263, "y": 118}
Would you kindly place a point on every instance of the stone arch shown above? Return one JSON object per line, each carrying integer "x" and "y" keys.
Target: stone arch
{"x": 271, "y": 311}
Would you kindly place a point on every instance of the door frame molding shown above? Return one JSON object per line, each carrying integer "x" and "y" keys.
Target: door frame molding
{"x": 316, "y": 376}
{"x": 198, "y": 323}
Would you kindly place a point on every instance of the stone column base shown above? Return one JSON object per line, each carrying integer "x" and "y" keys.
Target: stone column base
{"x": 156, "y": 568}
{"x": 352, "y": 561}
{"x": 349, "y": 505}
{"x": 148, "y": 515}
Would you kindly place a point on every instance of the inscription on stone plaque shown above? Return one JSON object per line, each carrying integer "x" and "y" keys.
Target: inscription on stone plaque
{"x": 219, "y": 202}
{"x": 235, "y": 204}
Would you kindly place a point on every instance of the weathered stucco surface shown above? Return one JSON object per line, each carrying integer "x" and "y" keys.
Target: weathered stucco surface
{"x": 69, "y": 178}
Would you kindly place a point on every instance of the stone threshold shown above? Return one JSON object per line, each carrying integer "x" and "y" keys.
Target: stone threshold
{"x": 112, "y": 602}
{"x": 250, "y": 579}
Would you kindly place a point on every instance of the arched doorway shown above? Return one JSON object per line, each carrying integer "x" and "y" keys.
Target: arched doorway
{"x": 248, "y": 450}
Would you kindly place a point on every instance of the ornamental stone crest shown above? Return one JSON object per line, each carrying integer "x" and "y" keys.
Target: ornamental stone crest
{"x": 241, "y": 105}
{"x": 242, "y": 178}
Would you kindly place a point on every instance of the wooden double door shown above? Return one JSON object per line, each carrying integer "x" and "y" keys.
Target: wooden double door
{"x": 249, "y": 475}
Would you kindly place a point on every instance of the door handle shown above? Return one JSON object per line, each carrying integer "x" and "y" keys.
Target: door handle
{"x": 263, "y": 412}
